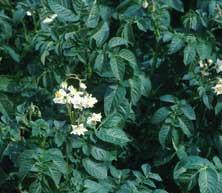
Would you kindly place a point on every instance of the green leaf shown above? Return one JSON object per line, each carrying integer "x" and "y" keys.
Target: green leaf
{"x": 97, "y": 170}
{"x": 118, "y": 68}
{"x": 62, "y": 12}
{"x": 208, "y": 180}
{"x": 188, "y": 112}
{"x": 117, "y": 41}
{"x": 128, "y": 33}
{"x": 139, "y": 85}
{"x": 101, "y": 34}
{"x": 113, "y": 135}
{"x": 112, "y": 120}
{"x": 53, "y": 172}
{"x": 128, "y": 56}
{"x": 36, "y": 187}
{"x": 163, "y": 134}
{"x": 102, "y": 155}
{"x": 218, "y": 108}
{"x": 219, "y": 184}
{"x": 189, "y": 54}
{"x": 113, "y": 97}
{"x": 184, "y": 127}
{"x": 160, "y": 115}
{"x": 204, "y": 49}
{"x": 93, "y": 18}
{"x": 146, "y": 168}
{"x": 176, "y": 44}
{"x": 175, "y": 4}
{"x": 135, "y": 89}
{"x": 94, "y": 187}
{"x": 6, "y": 105}
{"x": 145, "y": 85}
{"x": 11, "y": 52}
{"x": 168, "y": 98}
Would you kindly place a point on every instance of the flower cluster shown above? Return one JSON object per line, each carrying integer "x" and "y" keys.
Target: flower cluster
{"x": 218, "y": 87}
{"x": 205, "y": 64}
{"x": 78, "y": 101}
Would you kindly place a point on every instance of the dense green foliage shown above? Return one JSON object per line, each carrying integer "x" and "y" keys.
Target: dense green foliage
{"x": 154, "y": 67}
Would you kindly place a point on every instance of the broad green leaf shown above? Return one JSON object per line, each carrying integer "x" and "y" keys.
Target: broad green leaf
{"x": 146, "y": 168}
{"x": 160, "y": 115}
{"x": 184, "y": 127}
{"x": 208, "y": 180}
{"x": 113, "y": 135}
{"x": 168, "y": 98}
{"x": 145, "y": 85}
{"x": 113, "y": 97}
{"x": 207, "y": 100}
{"x": 101, "y": 34}
{"x": 188, "y": 112}
{"x": 176, "y": 44}
{"x": 117, "y": 41}
{"x": 163, "y": 134}
{"x": 58, "y": 160}
{"x": 128, "y": 33}
{"x": 36, "y": 187}
{"x": 12, "y": 53}
{"x": 219, "y": 184}
{"x": 204, "y": 49}
{"x": 95, "y": 187}
{"x": 218, "y": 108}
{"x": 175, "y": 4}
{"x": 93, "y": 18}
{"x": 6, "y": 105}
{"x": 112, "y": 120}
{"x": 102, "y": 155}
{"x": 9, "y": 84}
{"x": 62, "y": 12}
{"x": 135, "y": 89}
{"x": 139, "y": 86}
{"x": 97, "y": 170}
{"x": 26, "y": 162}
{"x": 189, "y": 54}
{"x": 128, "y": 56}
{"x": 118, "y": 68}
{"x": 53, "y": 172}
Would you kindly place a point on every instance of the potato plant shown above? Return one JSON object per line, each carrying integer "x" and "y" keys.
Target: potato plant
{"x": 110, "y": 96}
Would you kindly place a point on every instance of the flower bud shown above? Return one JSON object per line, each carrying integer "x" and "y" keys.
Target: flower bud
{"x": 210, "y": 61}
{"x": 145, "y": 4}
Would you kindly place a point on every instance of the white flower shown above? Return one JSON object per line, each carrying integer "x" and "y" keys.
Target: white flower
{"x": 60, "y": 97}
{"x": 72, "y": 90}
{"x": 201, "y": 63}
{"x": 210, "y": 61}
{"x": 28, "y": 13}
{"x": 145, "y": 4}
{"x": 82, "y": 86}
{"x": 78, "y": 129}
{"x": 64, "y": 85}
{"x": 218, "y": 87}
{"x": 77, "y": 101}
{"x": 219, "y": 66}
{"x": 49, "y": 19}
{"x": 95, "y": 118}
{"x": 89, "y": 101}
